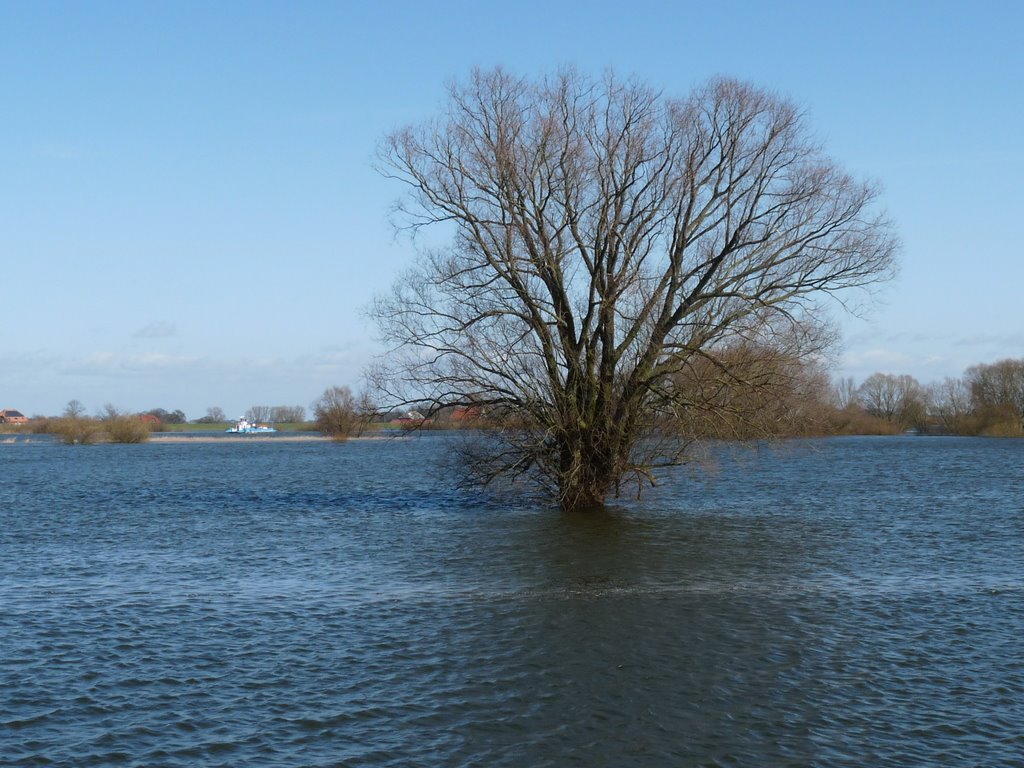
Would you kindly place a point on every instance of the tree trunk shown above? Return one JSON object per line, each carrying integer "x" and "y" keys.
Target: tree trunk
{"x": 586, "y": 476}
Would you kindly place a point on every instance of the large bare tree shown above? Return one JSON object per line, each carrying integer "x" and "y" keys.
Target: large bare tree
{"x": 603, "y": 239}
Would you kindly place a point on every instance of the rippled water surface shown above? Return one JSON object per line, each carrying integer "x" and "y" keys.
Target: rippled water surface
{"x": 854, "y": 601}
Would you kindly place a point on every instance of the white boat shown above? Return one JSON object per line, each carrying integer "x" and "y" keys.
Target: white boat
{"x": 246, "y": 427}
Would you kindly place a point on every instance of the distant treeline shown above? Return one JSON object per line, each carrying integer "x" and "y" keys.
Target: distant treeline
{"x": 987, "y": 400}
{"x": 752, "y": 392}
{"x": 743, "y": 392}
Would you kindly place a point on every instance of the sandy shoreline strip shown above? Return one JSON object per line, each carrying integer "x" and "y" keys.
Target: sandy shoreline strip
{"x": 179, "y": 437}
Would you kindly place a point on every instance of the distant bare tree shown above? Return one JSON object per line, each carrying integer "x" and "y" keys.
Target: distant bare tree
{"x": 213, "y": 415}
{"x": 74, "y": 409}
{"x": 287, "y": 414}
{"x": 879, "y": 396}
{"x": 951, "y": 403}
{"x": 258, "y": 413}
{"x": 897, "y": 399}
{"x": 845, "y": 392}
{"x": 605, "y": 238}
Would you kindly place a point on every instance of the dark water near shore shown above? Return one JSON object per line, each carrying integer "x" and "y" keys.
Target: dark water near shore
{"x": 853, "y": 601}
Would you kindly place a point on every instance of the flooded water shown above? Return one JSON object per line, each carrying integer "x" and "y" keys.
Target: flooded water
{"x": 852, "y": 601}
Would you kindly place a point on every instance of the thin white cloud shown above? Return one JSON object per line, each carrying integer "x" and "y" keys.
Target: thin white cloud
{"x": 112, "y": 364}
{"x": 874, "y": 357}
{"x": 329, "y": 359}
{"x": 156, "y": 330}
{"x": 1011, "y": 342}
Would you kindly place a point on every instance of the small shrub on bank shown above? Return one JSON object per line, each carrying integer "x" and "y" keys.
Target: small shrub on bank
{"x": 856, "y": 421}
{"x": 335, "y": 413}
{"x": 41, "y": 425}
{"x": 126, "y": 429}
{"x": 997, "y": 421}
{"x": 75, "y": 430}
{"x": 338, "y": 414}
{"x": 1005, "y": 429}
{"x": 123, "y": 427}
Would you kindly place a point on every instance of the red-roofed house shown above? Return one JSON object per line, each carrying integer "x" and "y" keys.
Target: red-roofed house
{"x": 11, "y": 416}
{"x": 466, "y": 413}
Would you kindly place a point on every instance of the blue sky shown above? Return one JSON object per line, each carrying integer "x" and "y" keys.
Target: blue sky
{"x": 189, "y": 216}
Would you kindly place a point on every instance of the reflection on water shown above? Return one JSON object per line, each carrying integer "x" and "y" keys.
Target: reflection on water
{"x": 846, "y": 602}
